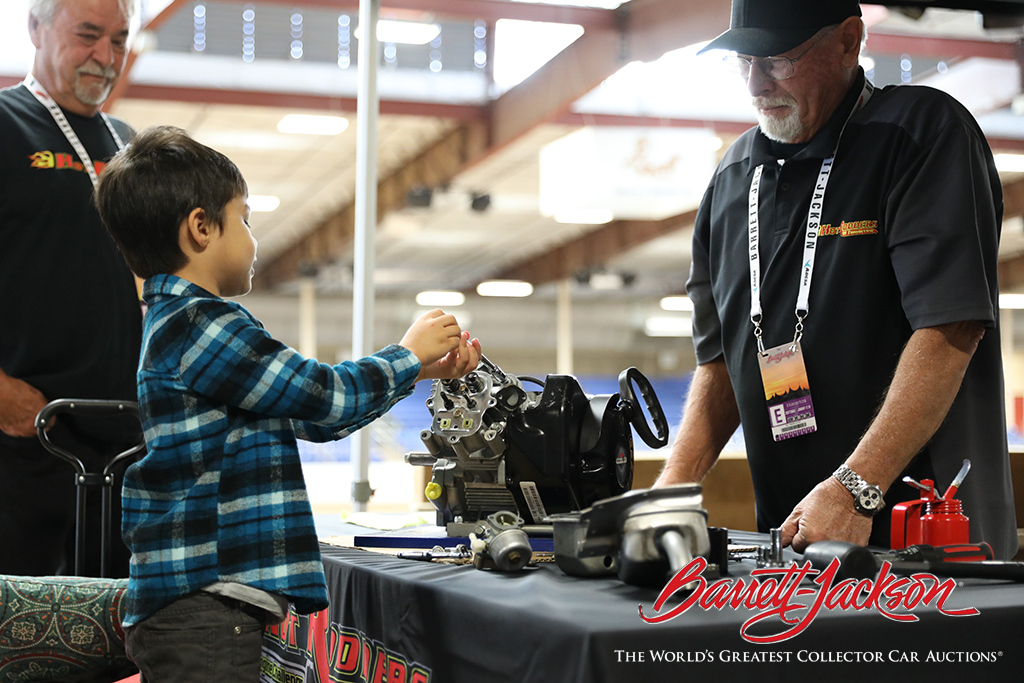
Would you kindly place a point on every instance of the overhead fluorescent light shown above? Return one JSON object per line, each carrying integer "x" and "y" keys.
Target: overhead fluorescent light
{"x": 1011, "y": 301}
{"x": 405, "y": 32}
{"x": 1010, "y": 163}
{"x": 262, "y": 203}
{"x": 440, "y": 298}
{"x": 462, "y": 317}
{"x": 676, "y": 303}
{"x": 668, "y": 327}
{"x": 585, "y": 216}
{"x": 308, "y": 124}
{"x": 607, "y": 281}
{"x": 506, "y": 288}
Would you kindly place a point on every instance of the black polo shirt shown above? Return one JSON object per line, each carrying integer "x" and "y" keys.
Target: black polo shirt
{"x": 908, "y": 239}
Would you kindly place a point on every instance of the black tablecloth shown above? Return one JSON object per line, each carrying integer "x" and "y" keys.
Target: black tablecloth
{"x": 394, "y": 620}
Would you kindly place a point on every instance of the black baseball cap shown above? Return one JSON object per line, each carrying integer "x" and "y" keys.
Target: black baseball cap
{"x": 762, "y": 28}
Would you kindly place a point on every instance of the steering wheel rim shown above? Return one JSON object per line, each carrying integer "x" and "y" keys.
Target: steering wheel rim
{"x": 629, "y": 377}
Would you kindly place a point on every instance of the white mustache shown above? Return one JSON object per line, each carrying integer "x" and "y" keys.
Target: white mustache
{"x": 106, "y": 72}
{"x": 768, "y": 101}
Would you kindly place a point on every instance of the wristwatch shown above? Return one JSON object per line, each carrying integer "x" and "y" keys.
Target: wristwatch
{"x": 867, "y": 498}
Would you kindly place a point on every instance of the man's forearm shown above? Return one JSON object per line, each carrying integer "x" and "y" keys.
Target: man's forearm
{"x": 927, "y": 379}
{"x": 709, "y": 419}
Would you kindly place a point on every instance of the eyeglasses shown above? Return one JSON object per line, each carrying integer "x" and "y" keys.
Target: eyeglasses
{"x": 775, "y": 68}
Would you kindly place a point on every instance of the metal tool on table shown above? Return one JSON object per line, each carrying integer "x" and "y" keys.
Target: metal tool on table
{"x": 494, "y": 445}
{"x": 771, "y": 555}
{"x": 858, "y": 562}
{"x": 458, "y": 552}
{"x": 499, "y": 542}
{"x": 644, "y": 536}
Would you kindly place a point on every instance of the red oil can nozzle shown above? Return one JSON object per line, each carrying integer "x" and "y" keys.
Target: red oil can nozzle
{"x": 959, "y": 479}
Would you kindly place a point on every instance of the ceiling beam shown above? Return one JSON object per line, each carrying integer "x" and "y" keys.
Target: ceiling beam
{"x": 590, "y": 18}
{"x": 938, "y": 47}
{"x": 648, "y": 29}
{"x": 594, "y": 249}
{"x": 332, "y": 238}
{"x": 292, "y": 100}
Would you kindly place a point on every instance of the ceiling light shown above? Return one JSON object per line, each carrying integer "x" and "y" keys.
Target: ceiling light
{"x": 462, "y": 317}
{"x": 508, "y": 288}
{"x": 307, "y": 124}
{"x": 1010, "y": 163}
{"x": 606, "y": 281}
{"x": 262, "y": 203}
{"x": 1011, "y": 301}
{"x": 668, "y": 327}
{"x": 585, "y": 216}
{"x": 437, "y": 298}
{"x": 405, "y": 32}
{"x": 676, "y": 303}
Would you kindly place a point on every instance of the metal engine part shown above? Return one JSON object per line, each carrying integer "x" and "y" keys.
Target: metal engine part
{"x": 499, "y": 542}
{"x": 495, "y": 446}
{"x": 644, "y": 536}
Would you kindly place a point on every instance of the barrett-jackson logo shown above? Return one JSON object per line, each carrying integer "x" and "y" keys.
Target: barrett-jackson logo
{"x": 776, "y": 594}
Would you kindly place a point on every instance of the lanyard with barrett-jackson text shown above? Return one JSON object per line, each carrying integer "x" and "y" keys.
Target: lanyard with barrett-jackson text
{"x": 39, "y": 92}
{"x": 783, "y": 373}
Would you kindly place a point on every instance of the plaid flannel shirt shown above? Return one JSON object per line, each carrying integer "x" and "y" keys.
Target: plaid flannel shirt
{"x": 219, "y": 495}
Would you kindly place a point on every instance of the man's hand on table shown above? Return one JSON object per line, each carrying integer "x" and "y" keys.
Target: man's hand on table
{"x": 826, "y": 513}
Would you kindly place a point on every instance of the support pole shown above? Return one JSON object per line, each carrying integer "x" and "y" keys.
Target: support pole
{"x": 563, "y": 343}
{"x": 307, "y": 317}
{"x": 367, "y": 109}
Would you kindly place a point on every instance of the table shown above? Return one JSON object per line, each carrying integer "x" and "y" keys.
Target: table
{"x": 394, "y": 620}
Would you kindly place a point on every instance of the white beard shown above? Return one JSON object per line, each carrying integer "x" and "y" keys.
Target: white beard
{"x": 95, "y": 93}
{"x": 779, "y": 128}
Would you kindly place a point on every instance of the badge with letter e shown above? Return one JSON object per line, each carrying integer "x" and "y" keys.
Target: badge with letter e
{"x": 787, "y": 391}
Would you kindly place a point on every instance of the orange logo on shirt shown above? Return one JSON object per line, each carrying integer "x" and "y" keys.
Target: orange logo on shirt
{"x": 61, "y": 160}
{"x": 42, "y": 159}
{"x": 849, "y": 229}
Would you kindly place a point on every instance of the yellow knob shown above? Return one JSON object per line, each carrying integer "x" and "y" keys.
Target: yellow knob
{"x": 433, "y": 491}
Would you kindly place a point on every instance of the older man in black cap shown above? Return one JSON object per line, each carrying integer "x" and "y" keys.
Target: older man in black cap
{"x": 845, "y": 294}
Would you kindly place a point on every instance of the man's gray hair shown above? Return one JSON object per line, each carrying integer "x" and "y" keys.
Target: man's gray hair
{"x": 46, "y": 10}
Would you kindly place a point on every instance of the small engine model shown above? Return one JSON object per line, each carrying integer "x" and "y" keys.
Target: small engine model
{"x": 493, "y": 445}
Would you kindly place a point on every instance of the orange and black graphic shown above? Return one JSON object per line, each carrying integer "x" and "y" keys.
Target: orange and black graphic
{"x": 849, "y": 229}
{"x": 61, "y": 161}
{"x": 336, "y": 654}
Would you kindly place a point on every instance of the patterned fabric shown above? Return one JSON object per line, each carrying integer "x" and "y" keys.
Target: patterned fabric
{"x": 220, "y": 494}
{"x": 61, "y": 629}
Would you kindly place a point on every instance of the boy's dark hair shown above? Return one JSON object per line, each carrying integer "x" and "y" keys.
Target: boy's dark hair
{"x": 152, "y": 185}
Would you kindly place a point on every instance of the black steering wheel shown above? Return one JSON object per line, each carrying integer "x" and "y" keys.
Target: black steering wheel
{"x": 629, "y": 377}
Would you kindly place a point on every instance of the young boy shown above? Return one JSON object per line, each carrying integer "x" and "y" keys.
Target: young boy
{"x": 216, "y": 514}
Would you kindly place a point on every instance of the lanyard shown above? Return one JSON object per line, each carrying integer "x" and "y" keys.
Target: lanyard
{"x": 814, "y": 213}
{"x": 39, "y": 92}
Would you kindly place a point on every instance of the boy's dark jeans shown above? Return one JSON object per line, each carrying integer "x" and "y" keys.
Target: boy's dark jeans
{"x": 197, "y": 639}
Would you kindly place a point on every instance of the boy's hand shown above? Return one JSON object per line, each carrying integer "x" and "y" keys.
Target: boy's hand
{"x": 432, "y": 336}
{"x": 455, "y": 363}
